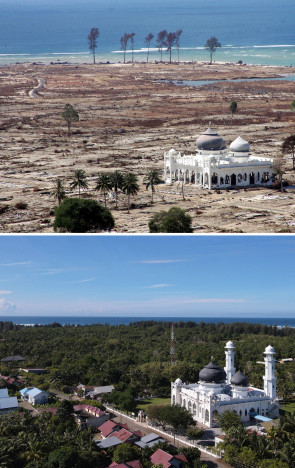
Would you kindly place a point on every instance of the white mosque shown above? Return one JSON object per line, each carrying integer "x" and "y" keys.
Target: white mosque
{"x": 213, "y": 166}
{"x": 220, "y": 390}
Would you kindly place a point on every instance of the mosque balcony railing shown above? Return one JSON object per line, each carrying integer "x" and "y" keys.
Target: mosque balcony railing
{"x": 236, "y": 401}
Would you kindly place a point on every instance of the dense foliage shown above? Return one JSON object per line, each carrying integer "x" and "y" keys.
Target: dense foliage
{"x": 249, "y": 450}
{"x": 137, "y": 357}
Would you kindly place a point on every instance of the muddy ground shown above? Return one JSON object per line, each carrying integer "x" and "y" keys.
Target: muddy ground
{"x": 129, "y": 116}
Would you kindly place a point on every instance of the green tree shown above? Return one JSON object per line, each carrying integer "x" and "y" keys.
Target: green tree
{"x": 117, "y": 179}
{"x": 76, "y": 215}
{"x": 279, "y": 171}
{"x": 292, "y": 105}
{"x": 59, "y": 191}
{"x": 170, "y": 40}
{"x": 130, "y": 186}
{"x": 233, "y": 108}
{"x": 104, "y": 185}
{"x": 173, "y": 221}
{"x": 65, "y": 411}
{"x": 161, "y": 38}
{"x": 289, "y": 147}
{"x": 126, "y": 452}
{"x": 179, "y": 418}
{"x": 148, "y": 41}
{"x": 194, "y": 433}
{"x": 211, "y": 45}
{"x": 92, "y": 40}
{"x": 79, "y": 180}
{"x": 70, "y": 115}
{"x": 229, "y": 419}
{"x": 124, "y": 43}
{"x": 272, "y": 464}
{"x": 151, "y": 179}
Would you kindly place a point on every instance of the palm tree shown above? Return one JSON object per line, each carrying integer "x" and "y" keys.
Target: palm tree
{"x": 130, "y": 186}
{"x": 117, "y": 182}
{"x": 152, "y": 179}
{"x": 79, "y": 180}
{"x": 104, "y": 185}
{"x": 59, "y": 191}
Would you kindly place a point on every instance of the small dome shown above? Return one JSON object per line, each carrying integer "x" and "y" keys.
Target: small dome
{"x": 178, "y": 382}
{"x": 269, "y": 350}
{"x": 229, "y": 344}
{"x": 212, "y": 373}
{"x": 172, "y": 152}
{"x": 240, "y": 379}
{"x": 239, "y": 145}
{"x": 210, "y": 141}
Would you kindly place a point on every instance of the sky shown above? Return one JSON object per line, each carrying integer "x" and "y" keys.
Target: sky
{"x": 142, "y": 276}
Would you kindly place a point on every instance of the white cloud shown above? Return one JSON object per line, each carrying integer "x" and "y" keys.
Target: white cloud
{"x": 162, "y": 261}
{"x": 5, "y": 292}
{"x": 161, "y": 285}
{"x": 6, "y": 306}
{"x": 87, "y": 280}
{"x": 15, "y": 264}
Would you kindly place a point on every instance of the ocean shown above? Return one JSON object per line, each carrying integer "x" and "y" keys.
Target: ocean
{"x": 256, "y": 32}
{"x": 41, "y": 320}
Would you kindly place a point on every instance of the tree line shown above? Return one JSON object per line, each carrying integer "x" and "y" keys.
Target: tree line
{"x": 164, "y": 40}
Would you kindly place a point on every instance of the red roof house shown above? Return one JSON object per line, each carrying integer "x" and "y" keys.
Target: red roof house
{"x": 131, "y": 464}
{"x": 108, "y": 428}
{"x": 168, "y": 460}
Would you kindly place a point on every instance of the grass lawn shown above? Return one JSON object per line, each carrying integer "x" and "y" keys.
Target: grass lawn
{"x": 288, "y": 405}
{"x": 144, "y": 404}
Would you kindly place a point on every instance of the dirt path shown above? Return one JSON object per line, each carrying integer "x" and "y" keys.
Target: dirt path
{"x": 34, "y": 92}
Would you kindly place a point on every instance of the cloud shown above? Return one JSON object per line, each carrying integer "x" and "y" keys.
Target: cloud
{"x": 5, "y": 292}
{"x": 15, "y": 264}
{"x": 87, "y": 280}
{"x": 6, "y": 306}
{"x": 212, "y": 301}
{"x": 162, "y": 261}
{"x": 161, "y": 285}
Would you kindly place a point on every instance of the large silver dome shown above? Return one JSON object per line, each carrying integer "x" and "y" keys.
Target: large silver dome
{"x": 210, "y": 141}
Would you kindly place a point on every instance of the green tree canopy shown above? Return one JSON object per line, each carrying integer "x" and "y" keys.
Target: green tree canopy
{"x": 92, "y": 40}
{"x": 76, "y": 215}
{"x": 70, "y": 115}
{"x": 79, "y": 180}
{"x": 126, "y": 452}
{"x": 211, "y": 45}
{"x": 59, "y": 191}
{"x": 151, "y": 179}
{"x": 130, "y": 185}
{"x": 175, "y": 220}
{"x": 229, "y": 419}
{"x": 104, "y": 185}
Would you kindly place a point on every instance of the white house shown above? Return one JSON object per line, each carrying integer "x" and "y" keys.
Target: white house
{"x": 219, "y": 390}
{"x": 7, "y": 403}
{"x": 34, "y": 395}
{"x": 213, "y": 166}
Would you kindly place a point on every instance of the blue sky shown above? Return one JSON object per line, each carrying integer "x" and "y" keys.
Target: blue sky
{"x": 238, "y": 276}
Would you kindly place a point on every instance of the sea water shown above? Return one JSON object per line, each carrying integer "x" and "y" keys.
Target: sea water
{"x": 75, "y": 320}
{"x": 257, "y": 32}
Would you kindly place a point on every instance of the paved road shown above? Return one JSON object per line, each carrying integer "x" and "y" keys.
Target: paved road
{"x": 211, "y": 461}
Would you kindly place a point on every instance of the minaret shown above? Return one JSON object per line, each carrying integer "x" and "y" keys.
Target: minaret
{"x": 229, "y": 361}
{"x": 270, "y": 380}
{"x": 172, "y": 347}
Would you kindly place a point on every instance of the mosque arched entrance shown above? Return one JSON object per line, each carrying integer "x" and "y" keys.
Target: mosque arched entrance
{"x": 233, "y": 179}
{"x": 251, "y": 178}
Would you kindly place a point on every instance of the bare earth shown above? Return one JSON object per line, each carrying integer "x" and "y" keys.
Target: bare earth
{"x": 128, "y": 117}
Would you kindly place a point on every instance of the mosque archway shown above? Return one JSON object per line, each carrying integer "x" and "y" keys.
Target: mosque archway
{"x": 173, "y": 400}
{"x": 221, "y": 181}
{"x": 194, "y": 408}
{"x": 233, "y": 179}
{"x": 189, "y": 406}
{"x": 207, "y": 415}
{"x": 214, "y": 178}
{"x": 226, "y": 179}
{"x": 245, "y": 177}
{"x": 215, "y": 417}
{"x": 240, "y": 178}
{"x": 251, "y": 178}
{"x": 206, "y": 178}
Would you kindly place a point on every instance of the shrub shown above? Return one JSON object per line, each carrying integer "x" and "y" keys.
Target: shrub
{"x": 21, "y": 205}
{"x": 80, "y": 215}
{"x": 174, "y": 220}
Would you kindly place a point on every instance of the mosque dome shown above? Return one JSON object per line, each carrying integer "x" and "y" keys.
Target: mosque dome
{"x": 229, "y": 344}
{"x": 269, "y": 350}
{"x": 212, "y": 373}
{"x": 178, "y": 382}
{"x": 240, "y": 379}
{"x": 239, "y": 145}
{"x": 210, "y": 141}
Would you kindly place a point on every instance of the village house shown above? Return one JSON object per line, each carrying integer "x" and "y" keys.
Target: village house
{"x": 130, "y": 464}
{"x": 34, "y": 395}
{"x": 7, "y": 403}
{"x": 89, "y": 416}
{"x": 166, "y": 460}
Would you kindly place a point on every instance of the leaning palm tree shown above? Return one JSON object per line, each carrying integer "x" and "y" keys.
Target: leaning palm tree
{"x": 59, "y": 191}
{"x": 79, "y": 180}
{"x": 117, "y": 182}
{"x": 151, "y": 179}
{"x": 104, "y": 185}
{"x": 130, "y": 186}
